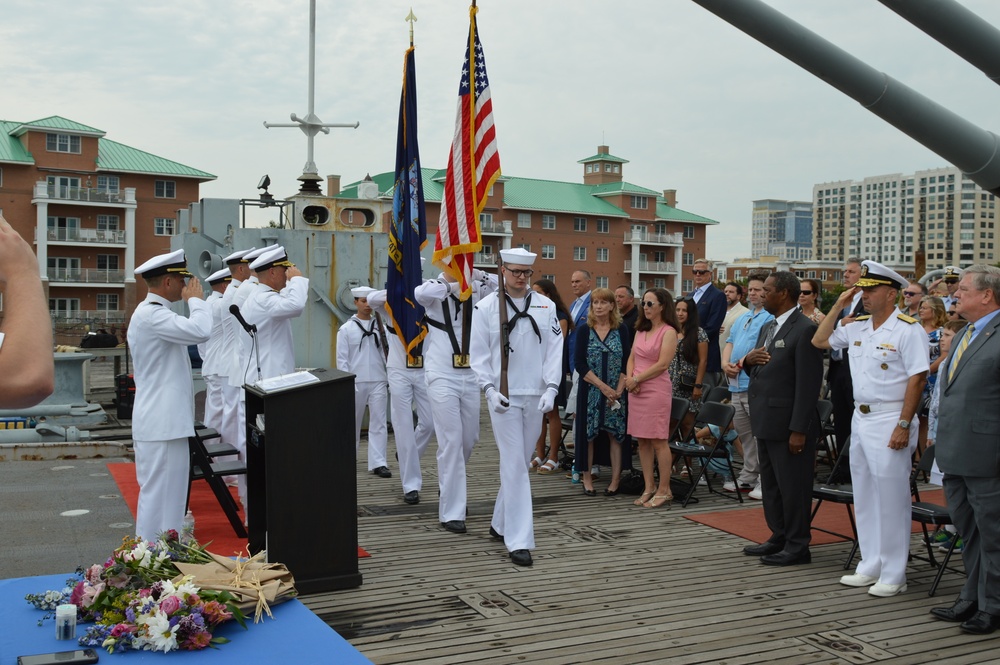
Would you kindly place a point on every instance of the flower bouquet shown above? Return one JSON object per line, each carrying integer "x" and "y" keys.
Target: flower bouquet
{"x": 139, "y": 599}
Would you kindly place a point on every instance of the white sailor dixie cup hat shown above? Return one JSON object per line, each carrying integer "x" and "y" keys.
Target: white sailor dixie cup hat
{"x": 239, "y": 256}
{"x": 361, "y": 291}
{"x": 876, "y": 274}
{"x": 518, "y": 256}
{"x": 274, "y": 256}
{"x": 220, "y": 276}
{"x": 172, "y": 263}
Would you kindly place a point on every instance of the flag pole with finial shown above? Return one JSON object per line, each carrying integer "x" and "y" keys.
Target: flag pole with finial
{"x": 411, "y": 19}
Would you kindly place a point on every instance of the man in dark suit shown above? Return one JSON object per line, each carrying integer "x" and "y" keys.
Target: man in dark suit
{"x": 712, "y": 306}
{"x": 625, "y": 299}
{"x": 968, "y": 448}
{"x": 786, "y": 372}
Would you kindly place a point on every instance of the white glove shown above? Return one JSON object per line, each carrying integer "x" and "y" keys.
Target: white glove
{"x": 498, "y": 403}
{"x": 548, "y": 400}
{"x": 478, "y": 275}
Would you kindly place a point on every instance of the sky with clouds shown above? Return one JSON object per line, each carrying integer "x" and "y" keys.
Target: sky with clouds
{"x": 694, "y": 104}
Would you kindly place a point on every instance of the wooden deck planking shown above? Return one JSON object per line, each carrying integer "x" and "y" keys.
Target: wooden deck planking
{"x": 613, "y": 583}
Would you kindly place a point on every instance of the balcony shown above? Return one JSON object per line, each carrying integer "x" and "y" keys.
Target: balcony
{"x": 86, "y": 276}
{"x": 644, "y": 237}
{"x": 484, "y": 260}
{"x": 88, "y": 316}
{"x": 84, "y": 194}
{"x": 652, "y": 267}
{"x": 495, "y": 228}
{"x": 88, "y": 236}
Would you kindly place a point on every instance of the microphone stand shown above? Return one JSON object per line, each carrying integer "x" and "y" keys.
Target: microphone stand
{"x": 256, "y": 350}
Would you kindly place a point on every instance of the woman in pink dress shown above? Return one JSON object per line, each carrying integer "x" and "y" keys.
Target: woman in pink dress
{"x": 649, "y": 388}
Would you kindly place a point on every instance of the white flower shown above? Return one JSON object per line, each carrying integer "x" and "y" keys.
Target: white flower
{"x": 155, "y": 633}
{"x": 187, "y": 587}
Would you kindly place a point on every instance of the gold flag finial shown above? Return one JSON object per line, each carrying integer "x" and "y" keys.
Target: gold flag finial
{"x": 411, "y": 19}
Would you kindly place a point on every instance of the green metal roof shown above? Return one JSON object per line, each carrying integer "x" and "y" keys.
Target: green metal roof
{"x": 111, "y": 155}
{"x": 544, "y": 195}
{"x": 603, "y": 158}
{"x": 114, "y": 156}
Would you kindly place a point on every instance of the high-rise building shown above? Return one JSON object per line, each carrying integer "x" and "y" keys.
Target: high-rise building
{"x": 889, "y": 218}
{"x": 782, "y": 229}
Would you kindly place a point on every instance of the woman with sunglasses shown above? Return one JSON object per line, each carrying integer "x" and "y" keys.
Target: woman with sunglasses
{"x": 809, "y": 300}
{"x": 649, "y": 388}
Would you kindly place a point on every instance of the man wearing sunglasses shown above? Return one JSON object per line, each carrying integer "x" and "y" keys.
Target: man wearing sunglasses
{"x": 711, "y": 313}
{"x": 912, "y": 294}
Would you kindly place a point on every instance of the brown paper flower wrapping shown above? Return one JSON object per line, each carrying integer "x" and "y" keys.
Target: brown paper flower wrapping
{"x": 255, "y": 584}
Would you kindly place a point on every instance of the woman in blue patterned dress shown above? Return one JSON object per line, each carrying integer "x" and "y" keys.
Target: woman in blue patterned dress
{"x": 687, "y": 370}
{"x": 602, "y": 349}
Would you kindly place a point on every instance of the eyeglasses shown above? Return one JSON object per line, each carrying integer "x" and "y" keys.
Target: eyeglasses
{"x": 806, "y": 292}
{"x": 701, "y": 272}
{"x": 952, "y": 313}
{"x": 910, "y": 294}
{"x": 517, "y": 272}
{"x": 649, "y": 303}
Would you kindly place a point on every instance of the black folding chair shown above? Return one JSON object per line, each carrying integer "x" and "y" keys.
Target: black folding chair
{"x": 837, "y": 493}
{"x": 931, "y": 513}
{"x": 711, "y": 413}
{"x": 717, "y": 394}
{"x": 203, "y": 467}
{"x": 827, "y": 437}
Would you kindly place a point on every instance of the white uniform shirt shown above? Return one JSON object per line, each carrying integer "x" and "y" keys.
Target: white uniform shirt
{"x": 230, "y": 358}
{"x": 211, "y": 352}
{"x": 533, "y": 364}
{"x": 438, "y": 351}
{"x": 359, "y": 350}
{"x": 272, "y": 312}
{"x": 397, "y": 354}
{"x": 883, "y": 360}
{"x": 242, "y": 372}
{"x": 158, "y": 339}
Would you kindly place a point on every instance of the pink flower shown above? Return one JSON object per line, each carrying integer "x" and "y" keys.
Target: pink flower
{"x": 122, "y": 629}
{"x": 170, "y": 604}
{"x": 198, "y": 640}
{"x": 76, "y": 597}
{"x": 93, "y": 574}
{"x": 215, "y": 613}
{"x": 118, "y": 581}
{"x": 90, "y": 594}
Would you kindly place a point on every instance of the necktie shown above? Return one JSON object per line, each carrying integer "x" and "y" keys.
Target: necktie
{"x": 771, "y": 330}
{"x": 962, "y": 346}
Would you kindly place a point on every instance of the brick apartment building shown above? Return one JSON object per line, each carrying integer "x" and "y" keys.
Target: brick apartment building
{"x": 93, "y": 208}
{"x": 622, "y": 233}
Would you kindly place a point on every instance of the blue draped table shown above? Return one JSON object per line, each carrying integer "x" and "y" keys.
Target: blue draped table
{"x": 294, "y": 635}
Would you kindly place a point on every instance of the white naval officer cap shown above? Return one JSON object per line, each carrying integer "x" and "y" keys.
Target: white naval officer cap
{"x": 952, "y": 273}
{"x": 274, "y": 256}
{"x": 220, "y": 276}
{"x": 239, "y": 256}
{"x": 876, "y": 274}
{"x": 254, "y": 253}
{"x": 361, "y": 291}
{"x": 518, "y": 256}
{"x": 163, "y": 264}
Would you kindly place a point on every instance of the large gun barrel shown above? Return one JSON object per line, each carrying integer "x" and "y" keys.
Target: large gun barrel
{"x": 974, "y": 150}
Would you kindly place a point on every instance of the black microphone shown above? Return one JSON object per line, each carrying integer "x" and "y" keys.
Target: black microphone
{"x": 235, "y": 311}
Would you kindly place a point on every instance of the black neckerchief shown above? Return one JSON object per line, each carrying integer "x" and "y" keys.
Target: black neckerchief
{"x": 367, "y": 332}
{"x": 522, "y": 314}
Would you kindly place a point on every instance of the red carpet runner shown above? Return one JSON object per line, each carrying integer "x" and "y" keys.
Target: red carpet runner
{"x": 749, "y": 523}
{"x": 210, "y": 523}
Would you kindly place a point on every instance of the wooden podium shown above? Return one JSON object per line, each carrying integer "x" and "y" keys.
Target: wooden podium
{"x": 301, "y": 480}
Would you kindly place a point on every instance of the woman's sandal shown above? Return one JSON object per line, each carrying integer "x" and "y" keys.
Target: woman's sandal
{"x": 665, "y": 500}
{"x": 643, "y": 498}
{"x": 549, "y": 466}
{"x": 535, "y": 463}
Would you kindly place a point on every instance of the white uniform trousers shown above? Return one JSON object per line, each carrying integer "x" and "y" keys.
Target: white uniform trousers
{"x": 881, "y": 480}
{"x": 409, "y": 390}
{"x": 162, "y": 468}
{"x": 455, "y": 401}
{"x": 233, "y": 429}
{"x": 741, "y": 421}
{"x": 374, "y": 395}
{"x": 516, "y": 433}
{"x": 214, "y": 404}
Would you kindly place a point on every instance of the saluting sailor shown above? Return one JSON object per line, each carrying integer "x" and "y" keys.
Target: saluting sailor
{"x": 279, "y": 298}
{"x": 408, "y": 387}
{"x": 452, "y": 385}
{"x": 163, "y": 413}
{"x": 361, "y": 350}
{"x": 889, "y": 363}
{"x": 952, "y": 274}
{"x": 534, "y": 373}
{"x": 243, "y": 371}
{"x": 214, "y": 369}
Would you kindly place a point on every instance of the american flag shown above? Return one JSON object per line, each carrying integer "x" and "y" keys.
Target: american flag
{"x": 473, "y": 167}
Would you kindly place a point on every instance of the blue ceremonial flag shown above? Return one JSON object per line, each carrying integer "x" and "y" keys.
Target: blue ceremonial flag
{"x": 408, "y": 233}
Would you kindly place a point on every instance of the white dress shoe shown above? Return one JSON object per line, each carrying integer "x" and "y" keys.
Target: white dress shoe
{"x": 887, "y": 590}
{"x": 858, "y": 580}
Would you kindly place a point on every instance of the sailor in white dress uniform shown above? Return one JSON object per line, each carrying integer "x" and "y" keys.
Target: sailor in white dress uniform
{"x": 163, "y": 412}
{"x": 533, "y": 377}
{"x": 214, "y": 369}
{"x": 280, "y": 297}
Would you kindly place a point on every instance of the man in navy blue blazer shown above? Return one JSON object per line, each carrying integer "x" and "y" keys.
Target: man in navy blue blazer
{"x": 711, "y": 313}
{"x": 580, "y": 285}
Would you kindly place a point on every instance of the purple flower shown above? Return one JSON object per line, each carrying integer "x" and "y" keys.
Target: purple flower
{"x": 170, "y": 605}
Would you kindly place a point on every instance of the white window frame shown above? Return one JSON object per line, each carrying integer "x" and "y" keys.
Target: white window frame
{"x": 580, "y": 224}
{"x": 603, "y": 226}
{"x": 108, "y": 223}
{"x": 602, "y": 254}
{"x": 109, "y": 299}
{"x": 165, "y": 189}
{"x": 640, "y": 202}
{"x": 579, "y": 253}
{"x": 601, "y": 281}
{"x": 548, "y": 251}
{"x": 164, "y": 226}
{"x": 526, "y": 246}
{"x": 108, "y": 183}
{"x": 108, "y": 260}
{"x": 68, "y": 143}
{"x": 70, "y": 306}
{"x": 524, "y": 220}
{"x": 548, "y": 222}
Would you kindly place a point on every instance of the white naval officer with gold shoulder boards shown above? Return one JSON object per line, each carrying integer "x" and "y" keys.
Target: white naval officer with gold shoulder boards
{"x": 533, "y": 377}
{"x": 278, "y": 298}
{"x": 163, "y": 412}
{"x": 889, "y": 363}
{"x": 214, "y": 366}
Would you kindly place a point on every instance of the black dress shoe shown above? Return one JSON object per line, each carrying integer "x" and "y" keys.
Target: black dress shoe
{"x": 765, "y": 548}
{"x": 521, "y": 557}
{"x": 589, "y": 492}
{"x": 455, "y": 526}
{"x": 610, "y": 492}
{"x": 962, "y": 610}
{"x": 495, "y": 535}
{"x": 786, "y": 559}
{"x": 412, "y": 497}
{"x": 981, "y": 623}
{"x": 382, "y": 472}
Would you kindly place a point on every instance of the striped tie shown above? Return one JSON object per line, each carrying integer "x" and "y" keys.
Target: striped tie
{"x": 962, "y": 346}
